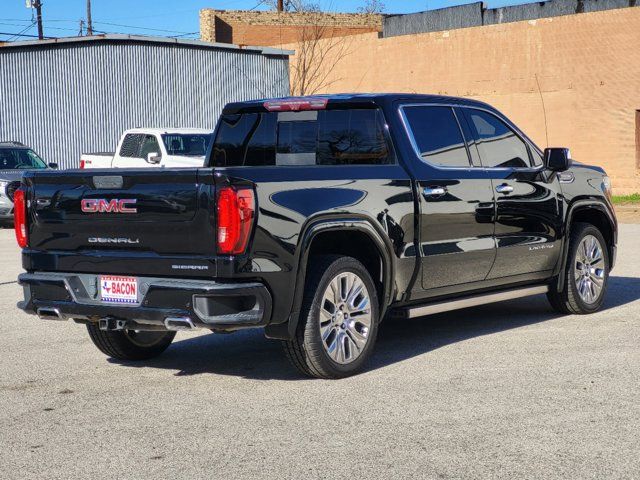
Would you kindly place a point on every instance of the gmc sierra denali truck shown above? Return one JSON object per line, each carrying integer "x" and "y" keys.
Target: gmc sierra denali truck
{"x": 315, "y": 218}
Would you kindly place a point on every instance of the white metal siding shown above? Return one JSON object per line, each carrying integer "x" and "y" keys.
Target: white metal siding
{"x": 67, "y": 99}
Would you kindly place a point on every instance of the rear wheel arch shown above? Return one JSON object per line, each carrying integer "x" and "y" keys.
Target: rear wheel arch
{"x": 356, "y": 238}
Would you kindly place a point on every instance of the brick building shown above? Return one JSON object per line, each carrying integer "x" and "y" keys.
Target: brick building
{"x": 566, "y": 71}
{"x": 269, "y": 28}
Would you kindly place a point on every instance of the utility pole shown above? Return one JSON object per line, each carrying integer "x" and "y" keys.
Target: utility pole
{"x": 280, "y": 5}
{"x": 89, "y": 24}
{"x": 37, "y": 4}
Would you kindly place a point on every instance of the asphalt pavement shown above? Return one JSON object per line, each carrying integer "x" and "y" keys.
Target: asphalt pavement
{"x": 509, "y": 390}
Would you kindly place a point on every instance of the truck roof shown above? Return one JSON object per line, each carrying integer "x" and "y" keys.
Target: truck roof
{"x": 355, "y": 99}
{"x": 11, "y": 144}
{"x": 169, "y": 131}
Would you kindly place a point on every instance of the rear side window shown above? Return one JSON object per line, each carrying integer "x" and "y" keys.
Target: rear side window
{"x": 325, "y": 137}
{"x": 498, "y": 145}
{"x": 437, "y": 135}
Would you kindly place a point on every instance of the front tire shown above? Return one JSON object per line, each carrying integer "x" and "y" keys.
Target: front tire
{"x": 338, "y": 320}
{"x": 586, "y": 273}
{"x": 130, "y": 344}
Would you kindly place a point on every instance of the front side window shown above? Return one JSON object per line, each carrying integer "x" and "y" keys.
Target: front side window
{"x": 437, "y": 135}
{"x": 34, "y": 160}
{"x": 149, "y": 145}
{"x": 498, "y": 145}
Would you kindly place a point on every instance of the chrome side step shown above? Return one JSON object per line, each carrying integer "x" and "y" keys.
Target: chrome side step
{"x": 472, "y": 301}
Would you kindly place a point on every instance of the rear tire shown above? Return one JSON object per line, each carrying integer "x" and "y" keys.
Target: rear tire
{"x": 586, "y": 273}
{"x": 128, "y": 344}
{"x": 338, "y": 321}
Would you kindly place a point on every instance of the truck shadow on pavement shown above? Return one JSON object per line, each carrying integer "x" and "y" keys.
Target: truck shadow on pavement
{"x": 249, "y": 354}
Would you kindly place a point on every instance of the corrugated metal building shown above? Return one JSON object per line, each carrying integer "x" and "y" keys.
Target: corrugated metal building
{"x": 67, "y": 96}
{"x": 475, "y": 15}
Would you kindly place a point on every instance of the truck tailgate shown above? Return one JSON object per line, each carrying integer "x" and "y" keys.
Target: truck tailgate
{"x": 157, "y": 211}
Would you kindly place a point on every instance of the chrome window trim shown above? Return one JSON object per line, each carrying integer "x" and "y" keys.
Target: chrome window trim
{"x": 517, "y": 132}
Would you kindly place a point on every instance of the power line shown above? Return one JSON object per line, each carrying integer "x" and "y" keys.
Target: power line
{"x": 21, "y": 32}
{"x": 141, "y": 28}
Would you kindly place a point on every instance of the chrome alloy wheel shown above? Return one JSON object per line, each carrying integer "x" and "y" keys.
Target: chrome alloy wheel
{"x": 345, "y": 317}
{"x": 589, "y": 270}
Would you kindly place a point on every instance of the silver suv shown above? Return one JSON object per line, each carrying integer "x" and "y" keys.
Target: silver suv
{"x": 15, "y": 159}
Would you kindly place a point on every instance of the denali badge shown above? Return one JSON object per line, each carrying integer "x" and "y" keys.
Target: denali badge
{"x": 112, "y": 240}
{"x": 101, "y": 205}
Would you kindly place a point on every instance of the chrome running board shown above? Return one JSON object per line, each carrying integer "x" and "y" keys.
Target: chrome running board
{"x": 471, "y": 301}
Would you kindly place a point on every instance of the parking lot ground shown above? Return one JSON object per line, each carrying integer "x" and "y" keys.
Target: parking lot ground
{"x": 509, "y": 390}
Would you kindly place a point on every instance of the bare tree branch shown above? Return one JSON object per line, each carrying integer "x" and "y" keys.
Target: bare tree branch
{"x": 372, "y": 6}
{"x": 320, "y": 48}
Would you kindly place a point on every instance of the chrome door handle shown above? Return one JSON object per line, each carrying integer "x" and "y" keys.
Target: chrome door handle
{"x": 434, "y": 191}
{"x": 504, "y": 188}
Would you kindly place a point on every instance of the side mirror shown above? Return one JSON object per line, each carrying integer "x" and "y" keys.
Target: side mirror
{"x": 153, "y": 157}
{"x": 557, "y": 159}
{"x": 53, "y": 165}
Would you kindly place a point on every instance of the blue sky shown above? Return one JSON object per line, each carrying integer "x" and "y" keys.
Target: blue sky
{"x": 164, "y": 17}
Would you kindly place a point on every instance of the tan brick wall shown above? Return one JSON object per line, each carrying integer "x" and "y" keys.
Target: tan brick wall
{"x": 587, "y": 66}
{"x": 273, "y": 28}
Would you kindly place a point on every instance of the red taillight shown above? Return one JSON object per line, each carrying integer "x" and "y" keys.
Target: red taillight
{"x": 296, "y": 104}
{"x": 236, "y": 209}
{"x": 81, "y": 163}
{"x": 20, "y": 217}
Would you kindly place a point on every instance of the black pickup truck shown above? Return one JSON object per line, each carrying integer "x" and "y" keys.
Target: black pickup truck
{"x": 315, "y": 218}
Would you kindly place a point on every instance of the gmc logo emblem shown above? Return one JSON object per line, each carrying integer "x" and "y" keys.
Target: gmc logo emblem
{"x": 101, "y": 205}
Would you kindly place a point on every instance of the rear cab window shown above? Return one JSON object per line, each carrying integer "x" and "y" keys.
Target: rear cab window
{"x": 306, "y": 138}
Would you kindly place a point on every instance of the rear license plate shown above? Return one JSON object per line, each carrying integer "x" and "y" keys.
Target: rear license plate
{"x": 117, "y": 289}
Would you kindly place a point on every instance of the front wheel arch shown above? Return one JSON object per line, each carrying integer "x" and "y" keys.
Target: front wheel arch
{"x": 597, "y": 214}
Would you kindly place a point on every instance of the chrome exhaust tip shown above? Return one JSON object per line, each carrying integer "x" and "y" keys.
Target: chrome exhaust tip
{"x": 178, "y": 323}
{"x": 49, "y": 313}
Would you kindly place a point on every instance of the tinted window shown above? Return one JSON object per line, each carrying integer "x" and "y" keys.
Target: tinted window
{"x": 437, "y": 135}
{"x": 247, "y": 139}
{"x": 19, "y": 158}
{"x": 498, "y": 145}
{"x": 351, "y": 137}
{"x": 297, "y": 137}
{"x": 326, "y": 137}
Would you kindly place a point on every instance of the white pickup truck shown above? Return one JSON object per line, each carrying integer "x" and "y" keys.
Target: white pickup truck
{"x": 154, "y": 147}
